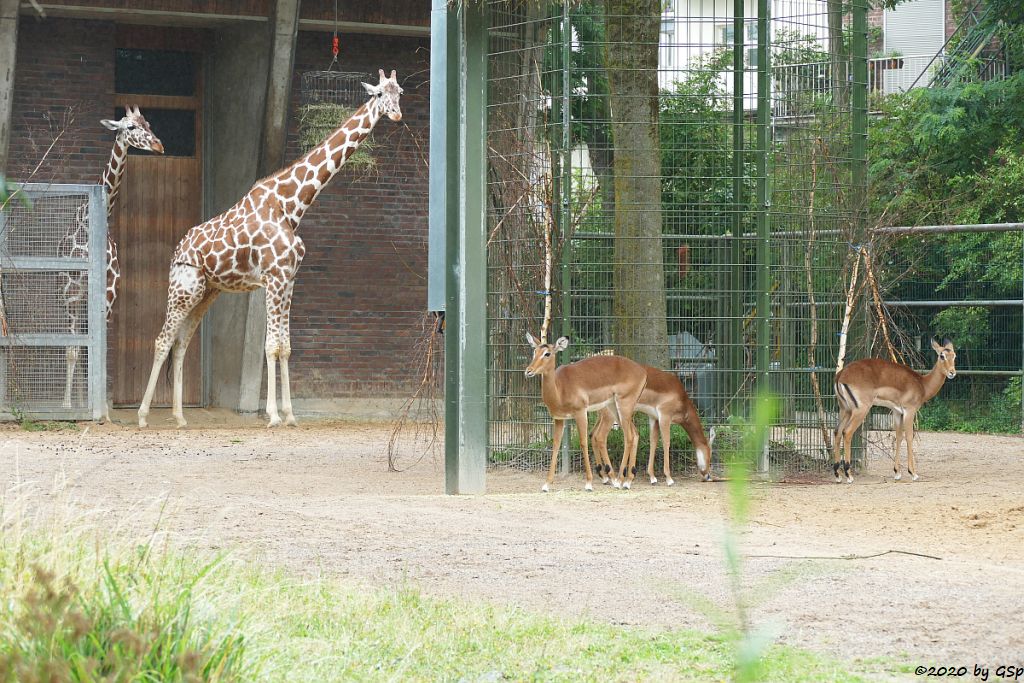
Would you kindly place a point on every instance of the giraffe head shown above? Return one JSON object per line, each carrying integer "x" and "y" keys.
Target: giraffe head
{"x": 133, "y": 130}
{"x": 387, "y": 92}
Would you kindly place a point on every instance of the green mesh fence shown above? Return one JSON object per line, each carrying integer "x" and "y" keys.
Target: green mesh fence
{"x": 702, "y": 174}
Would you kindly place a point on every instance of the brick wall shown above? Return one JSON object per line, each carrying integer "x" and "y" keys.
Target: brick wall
{"x": 361, "y": 291}
{"x": 64, "y": 79}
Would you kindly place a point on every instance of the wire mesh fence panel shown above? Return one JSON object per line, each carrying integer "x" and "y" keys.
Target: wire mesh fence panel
{"x": 965, "y": 287}
{"x": 695, "y": 168}
{"x": 52, "y": 302}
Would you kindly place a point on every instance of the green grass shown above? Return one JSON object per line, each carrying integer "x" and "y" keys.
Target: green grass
{"x": 85, "y": 605}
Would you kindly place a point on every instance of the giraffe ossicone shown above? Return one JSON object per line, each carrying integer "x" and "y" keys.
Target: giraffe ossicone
{"x": 255, "y": 244}
{"x": 132, "y": 131}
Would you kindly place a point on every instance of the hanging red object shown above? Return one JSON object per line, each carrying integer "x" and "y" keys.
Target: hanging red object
{"x": 683, "y": 254}
{"x": 334, "y": 46}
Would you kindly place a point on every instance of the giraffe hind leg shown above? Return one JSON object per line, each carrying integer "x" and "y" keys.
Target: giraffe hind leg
{"x": 185, "y": 291}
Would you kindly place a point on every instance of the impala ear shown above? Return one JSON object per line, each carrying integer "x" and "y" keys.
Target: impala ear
{"x": 532, "y": 340}
{"x": 711, "y": 437}
{"x": 935, "y": 345}
{"x": 561, "y": 344}
{"x": 947, "y": 343}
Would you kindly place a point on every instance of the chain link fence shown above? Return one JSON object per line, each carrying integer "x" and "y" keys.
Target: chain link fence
{"x": 716, "y": 249}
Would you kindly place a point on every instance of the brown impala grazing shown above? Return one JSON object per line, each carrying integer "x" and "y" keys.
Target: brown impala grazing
{"x": 573, "y": 390}
{"x": 876, "y": 382}
{"x": 665, "y": 402}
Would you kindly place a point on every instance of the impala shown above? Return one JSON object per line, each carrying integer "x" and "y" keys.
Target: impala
{"x": 875, "y": 382}
{"x": 665, "y": 402}
{"x": 573, "y": 390}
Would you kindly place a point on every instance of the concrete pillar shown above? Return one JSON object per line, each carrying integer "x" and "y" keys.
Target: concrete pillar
{"x": 284, "y": 31}
{"x": 237, "y": 61}
{"x": 8, "y": 51}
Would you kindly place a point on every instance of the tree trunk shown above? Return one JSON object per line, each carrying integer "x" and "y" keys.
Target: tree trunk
{"x": 639, "y": 326}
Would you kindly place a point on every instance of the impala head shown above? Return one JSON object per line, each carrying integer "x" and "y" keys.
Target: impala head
{"x": 544, "y": 355}
{"x": 387, "y": 92}
{"x": 947, "y": 357}
{"x": 133, "y": 130}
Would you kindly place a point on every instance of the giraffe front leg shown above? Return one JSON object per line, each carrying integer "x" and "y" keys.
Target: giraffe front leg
{"x": 286, "y": 393}
{"x": 70, "y": 361}
{"x": 271, "y": 350}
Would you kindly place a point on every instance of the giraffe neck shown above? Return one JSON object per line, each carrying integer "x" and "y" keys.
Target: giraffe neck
{"x": 301, "y": 183}
{"x": 114, "y": 171}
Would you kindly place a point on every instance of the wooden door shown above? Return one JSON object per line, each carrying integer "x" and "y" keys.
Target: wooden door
{"x": 159, "y": 200}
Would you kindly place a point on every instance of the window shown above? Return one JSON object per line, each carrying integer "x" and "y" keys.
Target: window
{"x": 154, "y": 72}
{"x": 726, "y": 34}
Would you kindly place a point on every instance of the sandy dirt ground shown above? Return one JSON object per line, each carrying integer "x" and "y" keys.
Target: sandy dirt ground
{"x": 319, "y": 499}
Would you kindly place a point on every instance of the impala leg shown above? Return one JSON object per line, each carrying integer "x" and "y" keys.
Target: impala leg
{"x": 854, "y": 423}
{"x": 666, "y": 447}
{"x": 581, "y": 425}
{"x": 556, "y": 442}
{"x": 652, "y": 431}
{"x": 600, "y": 441}
{"x": 837, "y": 440}
{"x": 631, "y": 440}
{"x": 899, "y": 420}
{"x": 908, "y": 435}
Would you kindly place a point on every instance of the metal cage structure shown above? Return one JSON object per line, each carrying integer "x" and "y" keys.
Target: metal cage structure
{"x": 731, "y": 241}
{"x": 53, "y": 352}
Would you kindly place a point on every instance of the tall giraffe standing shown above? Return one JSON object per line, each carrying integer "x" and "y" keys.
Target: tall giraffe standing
{"x": 254, "y": 244}
{"x": 132, "y": 131}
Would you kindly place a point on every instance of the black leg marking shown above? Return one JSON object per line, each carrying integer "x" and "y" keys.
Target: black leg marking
{"x": 835, "y": 469}
{"x": 633, "y": 471}
{"x": 846, "y": 469}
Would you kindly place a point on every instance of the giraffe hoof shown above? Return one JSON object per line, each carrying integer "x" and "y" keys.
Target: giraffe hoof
{"x": 142, "y": 423}
{"x": 180, "y": 421}
{"x": 274, "y": 422}
{"x": 290, "y": 421}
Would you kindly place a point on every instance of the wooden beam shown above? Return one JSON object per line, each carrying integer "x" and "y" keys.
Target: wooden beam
{"x": 212, "y": 19}
{"x": 8, "y": 52}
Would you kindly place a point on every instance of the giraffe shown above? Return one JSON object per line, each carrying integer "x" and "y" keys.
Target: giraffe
{"x": 255, "y": 244}
{"x": 132, "y": 131}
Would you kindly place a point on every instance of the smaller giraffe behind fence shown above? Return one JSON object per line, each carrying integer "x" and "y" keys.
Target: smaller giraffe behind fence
{"x": 132, "y": 131}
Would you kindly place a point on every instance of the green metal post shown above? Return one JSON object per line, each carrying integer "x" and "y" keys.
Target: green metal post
{"x": 859, "y": 171}
{"x": 735, "y": 361}
{"x": 565, "y": 195}
{"x": 763, "y": 190}
{"x": 466, "y": 260}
